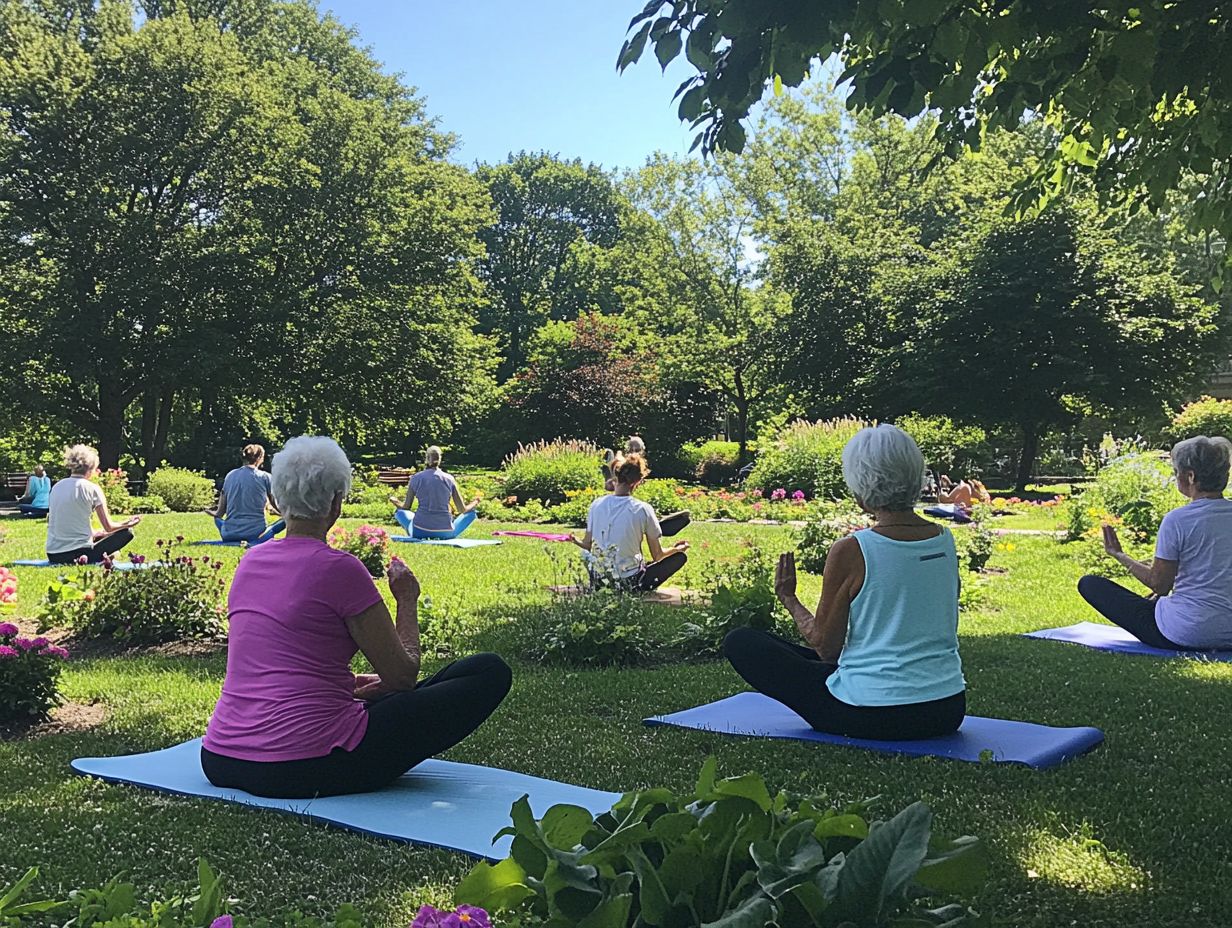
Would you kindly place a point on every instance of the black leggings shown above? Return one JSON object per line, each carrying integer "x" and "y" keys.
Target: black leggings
{"x": 94, "y": 553}
{"x": 796, "y": 677}
{"x": 674, "y": 524}
{"x": 1134, "y": 613}
{"x": 403, "y": 730}
{"x": 656, "y": 574}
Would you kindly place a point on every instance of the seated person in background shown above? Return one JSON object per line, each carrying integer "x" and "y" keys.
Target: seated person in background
{"x": 615, "y": 527}
{"x": 293, "y": 721}
{"x": 435, "y": 490}
{"x": 34, "y": 502}
{"x": 882, "y": 649}
{"x": 246, "y": 494}
{"x": 669, "y": 525}
{"x": 71, "y": 503}
{"x": 1191, "y": 573}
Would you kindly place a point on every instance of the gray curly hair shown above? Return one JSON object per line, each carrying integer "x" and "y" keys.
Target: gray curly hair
{"x": 1208, "y": 458}
{"x": 884, "y": 468}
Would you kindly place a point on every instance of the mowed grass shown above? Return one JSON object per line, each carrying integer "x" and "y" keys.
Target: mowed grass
{"x": 1135, "y": 833}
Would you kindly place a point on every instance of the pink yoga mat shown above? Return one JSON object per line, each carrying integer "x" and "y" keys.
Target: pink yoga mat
{"x": 543, "y": 536}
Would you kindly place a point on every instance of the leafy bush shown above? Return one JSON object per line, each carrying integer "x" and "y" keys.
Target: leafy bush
{"x": 145, "y": 504}
{"x": 369, "y": 543}
{"x": 947, "y": 446}
{"x": 546, "y": 471}
{"x": 29, "y": 670}
{"x": 181, "y": 489}
{"x": 1137, "y": 488}
{"x": 714, "y": 463}
{"x": 740, "y": 593}
{"x": 828, "y": 525}
{"x": 975, "y": 545}
{"x": 179, "y": 597}
{"x": 805, "y": 456}
{"x": 605, "y": 627}
{"x": 664, "y": 496}
{"x": 574, "y": 510}
{"x": 727, "y": 854}
{"x": 114, "y": 484}
{"x": 370, "y": 502}
{"x": 1204, "y": 416}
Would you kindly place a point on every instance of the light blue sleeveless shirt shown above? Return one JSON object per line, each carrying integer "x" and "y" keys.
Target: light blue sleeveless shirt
{"x": 902, "y": 632}
{"x": 40, "y": 487}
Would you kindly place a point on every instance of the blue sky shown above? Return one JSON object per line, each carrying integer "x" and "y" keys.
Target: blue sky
{"x": 506, "y": 75}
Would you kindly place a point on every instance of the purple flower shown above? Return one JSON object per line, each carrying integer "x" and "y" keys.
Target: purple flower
{"x": 222, "y": 921}
{"x": 24, "y": 644}
{"x": 7, "y": 652}
{"x": 465, "y": 916}
{"x": 40, "y": 642}
{"x": 83, "y": 560}
{"x": 7, "y": 629}
{"x": 57, "y": 652}
{"x": 799, "y": 494}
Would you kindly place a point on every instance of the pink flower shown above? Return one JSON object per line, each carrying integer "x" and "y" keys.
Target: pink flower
{"x": 7, "y": 629}
{"x": 57, "y": 652}
{"x": 798, "y": 495}
{"x": 24, "y": 644}
{"x": 40, "y": 642}
{"x": 7, "y": 652}
{"x": 756, "y": 494}
{"x": 222, "y": 921}
{"x": 780, "y": 493}
{"x": 83, "y": 560}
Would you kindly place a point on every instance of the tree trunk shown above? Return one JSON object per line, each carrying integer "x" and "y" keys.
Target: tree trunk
{"x": 149, "y": 419}
{"x": 1026, "y": 460}
{"x": 111, "y": 411}
{"x": 158, "y": 449}
{"x": 741, "y": 402}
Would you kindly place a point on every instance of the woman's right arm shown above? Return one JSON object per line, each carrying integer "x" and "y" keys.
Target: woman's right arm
{"x": 391, "y": 648}
{"x": 109, "y": 527}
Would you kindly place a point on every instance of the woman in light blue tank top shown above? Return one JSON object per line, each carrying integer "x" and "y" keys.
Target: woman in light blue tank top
{"x": 882, "y": 649}
{"x": 37, "y": 498}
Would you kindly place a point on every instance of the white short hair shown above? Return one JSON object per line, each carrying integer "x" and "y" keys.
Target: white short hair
{"x": 1208, "y": 458}
{"x": 433, "y": 455}
{"x": 307, "y": 474}
{"x": 884, "y": 468}
{"x": 80, "y": 459}
{"x": 635, "y": 445}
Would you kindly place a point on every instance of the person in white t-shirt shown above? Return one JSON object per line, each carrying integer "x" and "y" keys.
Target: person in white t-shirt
{"x": 1191, "y": 573}
{"x": 70, "y": 534}
{"x": 615, "y": 528}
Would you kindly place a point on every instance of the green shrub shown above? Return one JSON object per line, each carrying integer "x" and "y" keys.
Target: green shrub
{"x": 575, "y": 509}
{"x": 1137, "y": 488}
{"x": 975, "y": 545}
{"x": 370, "y": 502}
{"x": 146, "y": 504}
{"x": 805, "y": 456}
{"x": 547, "y": 471}
{"x": 605, "y": 627}
{"x": 114, "y": 484}
{"x": 664, "y": 496}
{"x": 29, "y": 671}
{"x": 180, "y": 597}
{"x": 739, "y": 593}
{"x": 947, "y": 446}
{"x": 714, "y": 463}
{"x": 182, "y": 490}
{"x": 727, "y": 853}
{"x": 1204, "y": 416}
{"x": 829, "y": 524}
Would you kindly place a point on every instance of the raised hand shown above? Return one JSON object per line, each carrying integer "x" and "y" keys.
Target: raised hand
{"x": 402, "y": 582}
{"x": 1112, "y": 542}
{"x": 785, "y": 577}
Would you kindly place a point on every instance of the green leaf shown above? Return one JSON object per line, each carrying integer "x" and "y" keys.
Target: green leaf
{"x": 881, "y": 866}
{"x": 667, "y": 47}
{"x": 750, "y": 786}
{"x": 842, "y": 826}
{"x": 755, "y": 912}
{"x": 610, "y": 913}
{"x": 673, "y": 826}
{"x": 959, "y": 867}
{"x": 564, "y": 825}
{"x": 705, "y": 779}
{"x": 208, "y": 904}
{"x": 496, "y": 887}
{"x": 632, "y": 50}
{"x": 15, "y": 891}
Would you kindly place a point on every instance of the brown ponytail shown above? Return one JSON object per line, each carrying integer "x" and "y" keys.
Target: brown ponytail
{"x": 630, "y": 468}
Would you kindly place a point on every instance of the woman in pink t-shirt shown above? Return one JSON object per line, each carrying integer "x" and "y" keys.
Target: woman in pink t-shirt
{"x": 293, "y": 721}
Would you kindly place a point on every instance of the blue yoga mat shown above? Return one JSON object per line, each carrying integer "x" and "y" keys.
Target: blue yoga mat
{"x": 439, "y": 803}
{"x": 1111, "y": 638}
{"x": 116, "y": 565}
{"x": 446, "y": 542}
{"x": 997, "y": 740}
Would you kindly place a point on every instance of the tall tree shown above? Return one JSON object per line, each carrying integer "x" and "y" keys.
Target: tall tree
{"x": 1137, "y": 93}
{"x": 545, "y": 209}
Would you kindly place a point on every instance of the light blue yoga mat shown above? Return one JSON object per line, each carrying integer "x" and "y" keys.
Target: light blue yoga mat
{"x": 116, "y": 565}
{"x": 446, "y": 542}
{"x": 1112, "y": 638}
{"x": 439, "y": 803}
{"x": 979, "y": 739}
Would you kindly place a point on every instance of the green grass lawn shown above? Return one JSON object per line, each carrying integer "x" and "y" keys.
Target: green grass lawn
{"x": 1136, "y": 833}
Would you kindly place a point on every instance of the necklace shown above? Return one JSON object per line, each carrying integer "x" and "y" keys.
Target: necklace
{"x": 920, "y": 524}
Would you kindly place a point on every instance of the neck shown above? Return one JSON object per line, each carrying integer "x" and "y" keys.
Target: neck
{"x": 895, "y": 516}
{"x": 1207, "y": 494}
{"x": 623, "y": 490}
{"x": 308, "y": 528}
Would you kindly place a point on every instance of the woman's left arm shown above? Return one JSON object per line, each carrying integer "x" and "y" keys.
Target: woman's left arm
{"x": 826, "y": 631}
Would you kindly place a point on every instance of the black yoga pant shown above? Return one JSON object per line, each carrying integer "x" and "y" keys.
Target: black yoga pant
{"x": 403, "y": 730}
{"x": 796, "y": 677}
{"x": 674, "y": 524}
{"x": 94, "y": 553}
{"x": 1134, "y": 613}
{"x": 656, "y": 574}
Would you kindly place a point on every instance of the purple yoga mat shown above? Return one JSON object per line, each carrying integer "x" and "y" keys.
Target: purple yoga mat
{"x": 542, "y": 536}
{"x": 1111, "y": 638}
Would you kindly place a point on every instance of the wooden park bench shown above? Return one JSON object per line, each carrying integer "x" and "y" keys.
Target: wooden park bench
{"x": 394, "y": 476}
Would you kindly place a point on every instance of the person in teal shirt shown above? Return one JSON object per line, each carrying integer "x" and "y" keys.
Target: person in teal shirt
{"x": 33, "y": 503}
{"x": 880, "y": 658}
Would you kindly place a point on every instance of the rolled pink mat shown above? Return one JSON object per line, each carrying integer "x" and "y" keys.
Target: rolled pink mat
{"x": 543, "y": 536}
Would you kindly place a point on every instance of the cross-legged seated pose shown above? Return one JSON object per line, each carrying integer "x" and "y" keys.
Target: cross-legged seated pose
{"x": 34, "y": 502}
{"x": 293, "y": 721}
{"x": 71, "y": 503}
{"x": 1191, "y": 573}
{"x": 245, "y": 496}
{"x": 669, "y": 525}
{"x": 615, "y": 527}
{"x": 435, "y": 490}
{"x": 880, "y": 658}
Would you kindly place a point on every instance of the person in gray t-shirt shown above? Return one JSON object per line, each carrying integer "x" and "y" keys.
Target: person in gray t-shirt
{"x": 245, "y": 496}
{"x": 435, "y": 490}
